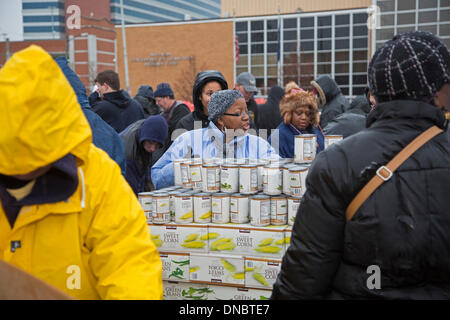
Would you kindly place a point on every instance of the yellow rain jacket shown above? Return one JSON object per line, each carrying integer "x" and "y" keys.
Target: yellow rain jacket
{"x": 96, "y": 244}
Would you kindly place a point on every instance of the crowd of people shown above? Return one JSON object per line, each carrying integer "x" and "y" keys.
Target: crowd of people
{"x": 73, "y": 165}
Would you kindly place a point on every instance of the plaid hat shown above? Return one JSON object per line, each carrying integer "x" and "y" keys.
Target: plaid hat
{"x": 220, "y": 102}
{"x": 248, "y": 81}
{"x": 411, "y": 66}
{"x": 163, "y": 90}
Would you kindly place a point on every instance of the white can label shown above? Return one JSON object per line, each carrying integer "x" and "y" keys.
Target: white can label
{"x": 239, "y": 210}
{"x": 278, "y": 211}
{"x": 220, "y": 208}
{"x": 260, "y": 212}
{"x": 202, "y": 209}
{"x": 161, "y": 210}
{"x": 146, "y": 203}
{"x": 184, "y": 209}
{"x": 273, "y": 181}
{"x": 177, "y": 173}
{"x": 229, "y": 180}
{"x": 248, "y": 180}
{"x": 304, "y": 149}
{"x": 293, "y": 205}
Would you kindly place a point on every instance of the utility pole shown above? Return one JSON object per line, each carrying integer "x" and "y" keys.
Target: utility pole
{"x": 125, "y": 55}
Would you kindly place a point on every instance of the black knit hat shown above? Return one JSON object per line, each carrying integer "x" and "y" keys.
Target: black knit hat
{"x": 411, "y": 66}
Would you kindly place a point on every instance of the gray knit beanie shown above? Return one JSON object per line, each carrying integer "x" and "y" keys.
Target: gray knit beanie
{"x": 220, "y": 102}
{"x": 411, "y": 66}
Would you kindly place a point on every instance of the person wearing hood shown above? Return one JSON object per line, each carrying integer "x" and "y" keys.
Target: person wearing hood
{"x": 141, "y": 140}
{"x": 67, "y": 215}
{"x": 112, "y": 104}
{"x": 206, "y": 83}
{"x": 269, "y": 115}
{"x": 331, "y": 100}
{"x": 396, "y": 244}
{"x": 225, "y": 137}
{"x": 146, "y": 99}
{"x": 103, "y": 135}
{"x": 351, "y": 121}
{"x": 299, "y": 111}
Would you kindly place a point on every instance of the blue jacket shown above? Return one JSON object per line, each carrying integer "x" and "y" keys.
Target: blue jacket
{"x": 286, "y": 139}
{"x": 208, "y": 143}
{"x": 103, "y": 135}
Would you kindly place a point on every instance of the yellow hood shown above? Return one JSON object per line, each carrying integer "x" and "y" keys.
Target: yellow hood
{"x": 41, "y": 120}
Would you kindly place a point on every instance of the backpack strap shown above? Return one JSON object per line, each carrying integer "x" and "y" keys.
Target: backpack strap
{"x": 384, "y": 173}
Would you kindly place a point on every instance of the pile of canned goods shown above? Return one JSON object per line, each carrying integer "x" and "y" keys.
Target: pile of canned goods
{"x": 179, "y": 205}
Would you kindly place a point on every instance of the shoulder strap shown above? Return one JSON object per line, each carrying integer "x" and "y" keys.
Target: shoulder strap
{"x": 384, "y": 173}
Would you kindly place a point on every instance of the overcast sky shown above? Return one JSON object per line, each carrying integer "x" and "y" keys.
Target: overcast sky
{"x": 11, "y": 20}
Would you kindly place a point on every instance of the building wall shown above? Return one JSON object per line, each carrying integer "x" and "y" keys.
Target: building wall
{"x": 242, "y": 8}
{"x": 175, "y": 53}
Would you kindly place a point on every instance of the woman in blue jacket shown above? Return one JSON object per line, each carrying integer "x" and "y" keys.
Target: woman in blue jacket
{"x": 225, "y": 137}
{"x": 300, "y": 116}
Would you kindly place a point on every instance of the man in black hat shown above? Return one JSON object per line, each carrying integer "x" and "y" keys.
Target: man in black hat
{"x": 397, "y": 244}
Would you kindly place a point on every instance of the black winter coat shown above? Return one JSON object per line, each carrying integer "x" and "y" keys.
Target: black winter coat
{"x": 269, "y": 115}
{"x": 403, "y": 227}
{"x": 335, "y": 104}
{"x": 117, "y": 109}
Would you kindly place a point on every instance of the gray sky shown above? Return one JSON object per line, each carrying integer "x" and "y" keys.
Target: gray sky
{"x": 11, "y": 20}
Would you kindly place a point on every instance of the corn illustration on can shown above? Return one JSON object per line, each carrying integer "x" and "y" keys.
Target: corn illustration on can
{"x": 184, "y": 208}
{"x": 260, "y": 210}
{"x": 195, "y": 170}
{"x": 220, "y": 207}
{"x": 239, "y": 208}
{"x": 278, "y": 210}
{"x": 161, "y": 208}
{"x": 202, "y": 207}
{"x": 305, "y": 148}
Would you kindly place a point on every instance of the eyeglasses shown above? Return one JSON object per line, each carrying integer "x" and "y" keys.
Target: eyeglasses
{"x": 241, "y": 114}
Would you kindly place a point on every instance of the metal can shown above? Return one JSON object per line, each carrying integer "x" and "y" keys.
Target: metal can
{"x": 305, "y": 148}
{"x": 248, "y": 179}
{"x": 293, "y": 204}
{"x": 278, "y": 210}
{"x": 296, "y": 182}
{"x": 229, "y": 178}
{"x": 211, "y": 177}
{"x": 185, "y": 174}
{"x": 304, "y": 173}
{"x": 260, "y": 171}
{"x": 145, "y": 198}
{"x": 273, "y": 179}
{"x": 260, "y": 210}
{"x": 202, "y": 207}
{"x": 195, "y": 171}
{"x": 177, "y": 171}
{"x": 286, "y": 178}
{"x": 239, "y": 208}
{"x": 184, "y": 208}
{"x": 161, "y": 208}
{"x": 172, "y": 195}
{"x": 220, "y": 207}
{"x": 330, "y": 139}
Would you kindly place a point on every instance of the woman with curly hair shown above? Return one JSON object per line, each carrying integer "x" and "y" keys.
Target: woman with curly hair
{"x": 300, "y": 116}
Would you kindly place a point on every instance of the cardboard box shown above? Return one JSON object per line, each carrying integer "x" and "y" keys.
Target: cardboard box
{"x": 185, "y": 291}
{"x": 260, "y": 272}
{"x": 211, "y": 268}
{"x": 180, "y": 237}
{"x": 175, "y": 266}
{"x": 237, "y": 293}
{"x": 247, "y": 240}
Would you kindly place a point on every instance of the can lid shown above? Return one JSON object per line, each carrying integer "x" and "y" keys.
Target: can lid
{"x": 240, "y": 195}
{"x": 161, "y": 194}
{"x": 221, "y": 194}
{"x": 260, "y": 196}
{"x": 306, "y": 135}
{"x": 210, "y": 164}
{"x": 281, "y": 196}
{"x": 250, "y": 165}
{"x": 145, "y": 193}
{"x": 294, "y": 198}
{"x": 273, "y": 165}
{"x": 174, "y": 192}
{"x": 230, "y": 165}
{"x": 202, "y": 194}
{"x": 289, "y": 165}
{"x": 298, "y": 168}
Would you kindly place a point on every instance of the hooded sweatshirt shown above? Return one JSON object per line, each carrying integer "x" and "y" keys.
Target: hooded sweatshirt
{"x": 139, "y": 161}
{"x": 203, "y": 77}
{"x": 103, "y": 135}
{"x": 118, "y": 110}
{"x": 98, "y": 226}
{"x": 333, "y": 102}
